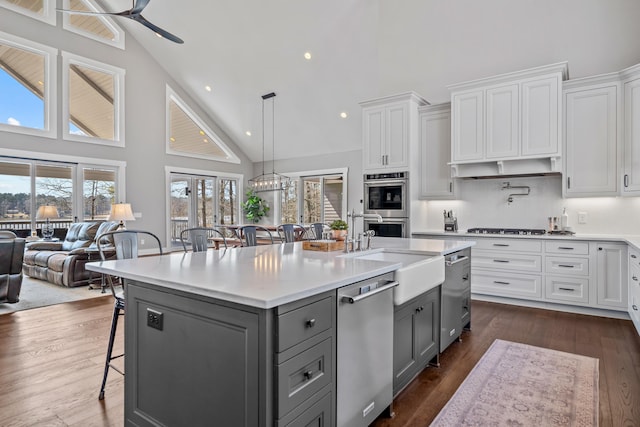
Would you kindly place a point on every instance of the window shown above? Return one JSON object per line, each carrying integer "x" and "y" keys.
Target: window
{"x": 318, "y": 196}
{"x": 27, "y": 85}
{"x": 79, "y": 191}
{"x": 198, "y": 200}
{"x": 187, "y": 135}
{"x": 99, "y": 28}
{"x": 93, "y": 101}
{"x": 43, "y": 10}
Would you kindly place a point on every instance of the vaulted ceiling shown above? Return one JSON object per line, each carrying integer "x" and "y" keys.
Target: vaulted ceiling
{"x": 362, "y": 49}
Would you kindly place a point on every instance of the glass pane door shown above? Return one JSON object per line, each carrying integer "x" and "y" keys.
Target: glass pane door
{"x": 180, "y": 207}
{"x": 98, "y": 193}
{"x": 227, "y": 203}
{"x": 204, "y": 200}
{"x": 322, "y": 199}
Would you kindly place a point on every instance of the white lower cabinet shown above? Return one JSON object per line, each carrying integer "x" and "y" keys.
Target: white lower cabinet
{"x": 611, "y": 273}
{"x": 567, "y": 290}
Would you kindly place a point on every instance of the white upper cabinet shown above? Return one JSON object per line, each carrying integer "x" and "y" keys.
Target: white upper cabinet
{"x": 468, "y": 126}
{"x": 435, "y": 151}
{"x": 390, "y": 128}
{"x": 631, "y": 93}
{"x": 508, "y": 122}
{"x": 592, "y": 128}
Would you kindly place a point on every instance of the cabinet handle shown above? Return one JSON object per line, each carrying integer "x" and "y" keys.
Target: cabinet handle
{"x": 419, "y": 309}
{"x": 311, "y": 323}
{"x": 635, "y": 278}
{"x": 465, "y": 277}
{"x": 635, "y": 307}
{"x": 626, "y": 180}
{"x": 599, "y": 249}
{"x": 504, "y": 245}
{"x": 501, "y": 260}
{"x": 450, "y": 187}
{"x": 568, "y": 182}
{"x": 633, "y": 256}
{"x": 566, "y": 266}
{"x": 566, "y": 248}
{"x": 501, "y": 283}
{"x": 308, "y": 375}
{"x": 567, "y": 289}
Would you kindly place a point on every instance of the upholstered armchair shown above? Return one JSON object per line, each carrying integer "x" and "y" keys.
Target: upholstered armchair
{"x": 63, "y": 262}
{"x": 11, "y": 253}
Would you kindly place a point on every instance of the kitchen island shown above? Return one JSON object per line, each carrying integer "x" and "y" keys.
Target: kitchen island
{"x": 245, "y": 336}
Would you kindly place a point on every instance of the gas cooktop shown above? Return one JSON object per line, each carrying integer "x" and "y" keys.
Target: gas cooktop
{"x": 516, "y": 231}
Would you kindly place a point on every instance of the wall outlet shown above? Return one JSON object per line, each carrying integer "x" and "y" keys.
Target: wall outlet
{"x": 154, "y": 319}
{"x": 582, "y": 217}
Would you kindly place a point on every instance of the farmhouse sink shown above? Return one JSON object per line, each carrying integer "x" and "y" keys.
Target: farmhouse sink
{"x": 418, "y": 273}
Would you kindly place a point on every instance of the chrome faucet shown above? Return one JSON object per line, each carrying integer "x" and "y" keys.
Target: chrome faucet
{"x": 352, "y": 215}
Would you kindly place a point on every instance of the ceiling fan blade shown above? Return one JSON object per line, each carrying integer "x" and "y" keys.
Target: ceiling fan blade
{"x": 164, "y": 33}
{"x": 84, "y": 12}
{"x": 138, "y": 6}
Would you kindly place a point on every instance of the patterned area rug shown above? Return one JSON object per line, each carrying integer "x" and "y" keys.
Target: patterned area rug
{"x": 521, "y": 385}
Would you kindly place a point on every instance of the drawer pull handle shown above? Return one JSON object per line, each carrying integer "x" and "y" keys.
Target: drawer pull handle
{"x": 566, "y": 248}
{"x": 501, "y": 283}
{"x": 311, "y": 323}
{"x": 635, "y": 307}
{"x": 633, "y": 256}
{"x": 566, "y": 266}
{"x": 635, "y": 278}
{"x": 419, "y": 309}
{"x": 501, "y": 260}
{"x": 308, "y": 375}
{"x": 567, "y": 289}
{"x": 465, "y": 277}
{"x": 504, "y": 245}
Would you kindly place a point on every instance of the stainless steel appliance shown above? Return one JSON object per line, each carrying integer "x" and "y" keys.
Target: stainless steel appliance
{"x": 455, "y": 312}
{"x": 387, "y": 195}
{"x": 364, "y": 350}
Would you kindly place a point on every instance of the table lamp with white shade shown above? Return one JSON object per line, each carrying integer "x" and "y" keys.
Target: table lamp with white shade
{"x": 121, "y": 212}
{"x": 47, "y": 212}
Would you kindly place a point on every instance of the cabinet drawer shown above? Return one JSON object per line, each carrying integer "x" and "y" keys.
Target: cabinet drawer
{"x": 303, "y": 323}
{"x": 509, "y": 245}
{"x": 563, "y": 247}
{"x": 506, "y": 284}
{"x": 317, "y": 415}
{"x": 507, "y": 261}
{"x": 567, "y": 289}
{"x": 573, "y": 266}
{"x": 634, "y": 258}
{"x": 303, "y": 375}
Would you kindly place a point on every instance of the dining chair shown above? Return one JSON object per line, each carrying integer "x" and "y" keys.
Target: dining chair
{"x": 317, "y": 228}
{"x": 248, "y": 234}
{"x": 290, "y": 233}
{"x": 199, "y": 238}
{"x": 125, "y": 243}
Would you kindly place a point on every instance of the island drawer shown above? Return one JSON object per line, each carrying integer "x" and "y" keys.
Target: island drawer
{"x": 564, "y": 247}
{"x": 302, "y": 323}
{"x": 507, "y": 284}
{"x": 317, "y": 412}
{"x": 507, "y": 261}
{"x": 574, "y": 266}
{"x": 303, "y": 375}
{"x": 567, "y": 289}
{"x": 508, "y": 245}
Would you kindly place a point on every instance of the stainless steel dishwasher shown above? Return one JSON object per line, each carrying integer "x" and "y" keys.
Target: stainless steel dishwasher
{"x": 364, "y": 350}
{"x": 455, "y": 308}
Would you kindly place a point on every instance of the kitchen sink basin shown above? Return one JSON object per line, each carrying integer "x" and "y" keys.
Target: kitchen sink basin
{"x": 418, "y": 273}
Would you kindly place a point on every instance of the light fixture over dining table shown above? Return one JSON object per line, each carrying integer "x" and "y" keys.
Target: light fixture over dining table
{"x": 269, "y": 181}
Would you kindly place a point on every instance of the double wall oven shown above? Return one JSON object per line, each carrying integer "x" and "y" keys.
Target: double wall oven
{"x": 387, "y": 194}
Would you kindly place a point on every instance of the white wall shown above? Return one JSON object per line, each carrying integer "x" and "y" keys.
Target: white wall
{"x": 483, "y": 203}
{"x": 145, "y": 120}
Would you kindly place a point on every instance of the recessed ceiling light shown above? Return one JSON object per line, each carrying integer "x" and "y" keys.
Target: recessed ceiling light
{"x": 159, "y": 36}
{"x": 172, "y": 139}
{"x": 248, "y": 133}
{"x": 40, "y": 83}
{"x": 205, "y": 140}
{"x": 307, "y": 55}
{"x": 202, "y": 132}
{"x": 207, "y": 88}
{"x": 344, "y": 115}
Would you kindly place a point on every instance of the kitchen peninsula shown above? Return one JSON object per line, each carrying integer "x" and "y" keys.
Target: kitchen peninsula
{"x": 245, "y": 336}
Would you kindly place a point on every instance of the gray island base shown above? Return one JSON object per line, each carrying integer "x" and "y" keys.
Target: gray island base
{"x": 250, "y": 336}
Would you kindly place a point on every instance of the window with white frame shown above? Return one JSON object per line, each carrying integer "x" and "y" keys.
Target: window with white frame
{"x": 93, "y": 101}
{"x": 188, "y": 135}
{"x": 99, "y": 28}
{"x": 27, "y": 87}
{"x": 43, "y": 10}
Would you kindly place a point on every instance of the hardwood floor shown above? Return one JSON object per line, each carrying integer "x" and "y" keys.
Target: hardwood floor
{"x": 51, "y": 362}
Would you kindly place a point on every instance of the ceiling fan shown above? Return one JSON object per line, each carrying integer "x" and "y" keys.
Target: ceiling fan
{"x": 135, "y": 14}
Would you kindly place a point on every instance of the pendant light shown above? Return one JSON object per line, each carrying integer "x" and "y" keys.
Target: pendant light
{"x": 269, "y": 181}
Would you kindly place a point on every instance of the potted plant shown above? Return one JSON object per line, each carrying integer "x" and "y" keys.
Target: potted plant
{"x": 339, "y": 228}
{"x": 255, "y": 207}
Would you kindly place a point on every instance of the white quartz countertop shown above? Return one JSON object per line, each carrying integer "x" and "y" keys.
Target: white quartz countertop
{"x": 630, "y": 239}
{"x": 266, "y": 276}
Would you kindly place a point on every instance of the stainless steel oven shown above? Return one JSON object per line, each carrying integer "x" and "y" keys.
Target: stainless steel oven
{"x": 389, "y": 227}
{"x": 387, "y": 194}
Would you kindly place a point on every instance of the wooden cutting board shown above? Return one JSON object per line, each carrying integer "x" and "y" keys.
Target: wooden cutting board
{"x": 322, "y": 245}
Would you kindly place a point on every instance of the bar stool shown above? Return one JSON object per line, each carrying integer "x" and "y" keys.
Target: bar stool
{"x": 199, "y": 238}
{"x": 249, "y": 236}
{"x": 290, "y": 233}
